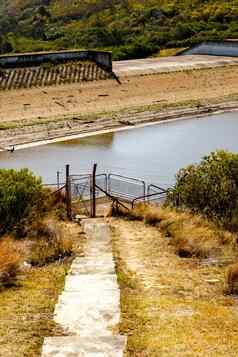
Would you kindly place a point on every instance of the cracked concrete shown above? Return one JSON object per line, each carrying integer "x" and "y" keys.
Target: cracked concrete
{"x": 89, "y": 308}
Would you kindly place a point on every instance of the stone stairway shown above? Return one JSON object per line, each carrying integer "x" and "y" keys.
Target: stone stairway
{"x": 89, "y": 308}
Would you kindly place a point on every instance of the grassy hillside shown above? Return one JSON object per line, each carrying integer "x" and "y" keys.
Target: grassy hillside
{"x": 131, "y": 28}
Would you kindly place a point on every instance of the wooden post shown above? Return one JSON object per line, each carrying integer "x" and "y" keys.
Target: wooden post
{"x": 68, "y": 194}
{"x": 93, "y": 212}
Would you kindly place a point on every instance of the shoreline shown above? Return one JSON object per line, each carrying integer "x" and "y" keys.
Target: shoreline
{"x": 142, "y": 118}
{"x": 56, "y": 114}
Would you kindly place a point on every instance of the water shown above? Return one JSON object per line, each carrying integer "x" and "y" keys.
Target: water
{"x": 154, "y": 153}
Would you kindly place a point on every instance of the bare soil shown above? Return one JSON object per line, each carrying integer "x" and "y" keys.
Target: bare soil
{"x": 107, "y": 96}
{"x": 56, "y": 112}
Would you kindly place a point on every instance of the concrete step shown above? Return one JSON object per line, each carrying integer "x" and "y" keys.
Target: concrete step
{"x": 91, "y": 283}
{"x": 88, "y": 265}
{"x": 85, "y": 315}
{"x": 105, "y": 346}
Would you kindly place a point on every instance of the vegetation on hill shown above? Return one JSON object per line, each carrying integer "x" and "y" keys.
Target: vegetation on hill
{"x": 210, "y": 188}
{"x": 130, "y": 28}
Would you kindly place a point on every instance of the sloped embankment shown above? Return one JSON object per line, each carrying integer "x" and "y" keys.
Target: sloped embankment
{"x": 52, "y": 75}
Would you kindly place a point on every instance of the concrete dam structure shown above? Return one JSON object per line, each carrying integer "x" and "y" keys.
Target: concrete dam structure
{"x": 53, "y": 68}
{"x": 213, "y": 48}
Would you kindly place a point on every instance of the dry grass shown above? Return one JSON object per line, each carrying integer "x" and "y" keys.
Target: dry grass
{"x": 10, "y": 259}
{"x": 171, "y": 306}
{"x": 192, "y": 235}
{"x": 232, "y": 279}
{"x": 51, "y": 242}
{"x": 167, "y": 52}
{"x": 26, "y": 310}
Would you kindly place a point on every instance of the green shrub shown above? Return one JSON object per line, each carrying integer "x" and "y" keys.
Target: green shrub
{"x": 20, "y": 194}
{"x": 210, "y": 187}
{"x": 137, "y": 49}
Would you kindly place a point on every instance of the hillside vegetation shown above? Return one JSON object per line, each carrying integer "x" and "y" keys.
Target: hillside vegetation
{"x": 130, "y": 28}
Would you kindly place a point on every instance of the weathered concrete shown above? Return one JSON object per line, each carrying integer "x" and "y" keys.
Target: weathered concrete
{"x": 77, "y": 346}
{"x": 23, "y": 60}
{"x": 89, "y": 308}
{"x": 169, "y": 64}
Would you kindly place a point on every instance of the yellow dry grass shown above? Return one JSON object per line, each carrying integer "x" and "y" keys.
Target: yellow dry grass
{"x": 10, "y": 259}
{"x": 192, "y": 235}
{"x": 171, "y": 306}
{"x": 26, "y": 309}
{"x": 52, "y": 241}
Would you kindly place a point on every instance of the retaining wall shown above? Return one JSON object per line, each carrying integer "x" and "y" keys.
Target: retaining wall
{"x": 101, "y": 58}
{"x": 214, "y": 48}
{"x": 62, "y": 74}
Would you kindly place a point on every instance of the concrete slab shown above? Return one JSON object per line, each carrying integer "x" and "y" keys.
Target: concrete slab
{"x": 89, "y": 308}
{"x": 82, "y": 347}
{"x": 104, "y": 265}
{"x": 169, "y": 64}
{"x": 91, "y": 283}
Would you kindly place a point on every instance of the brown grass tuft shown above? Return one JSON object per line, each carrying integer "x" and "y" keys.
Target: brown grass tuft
{"x": 232, "y": 279}
{"x": 10, "y": 259}
{"x": 192, "y": 235}
{"x": 51, "y": 241}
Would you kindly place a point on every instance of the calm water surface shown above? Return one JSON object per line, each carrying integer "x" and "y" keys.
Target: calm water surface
{"x": 154, "y": 153}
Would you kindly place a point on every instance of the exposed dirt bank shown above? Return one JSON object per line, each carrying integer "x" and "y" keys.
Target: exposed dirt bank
{"x": 39, "y": 114}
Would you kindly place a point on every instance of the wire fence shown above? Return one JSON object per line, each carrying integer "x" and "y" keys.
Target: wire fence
{"x": 121, "y": 187}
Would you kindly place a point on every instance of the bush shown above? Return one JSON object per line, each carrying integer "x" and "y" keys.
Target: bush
{"x": 137, "y": 49}
{"x": 20, "y": 193}
{"x": 210, "y": 188}
{"x": 9, "y": 261}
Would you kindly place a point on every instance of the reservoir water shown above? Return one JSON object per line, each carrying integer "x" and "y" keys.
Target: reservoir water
{"x": 154, "y": 153}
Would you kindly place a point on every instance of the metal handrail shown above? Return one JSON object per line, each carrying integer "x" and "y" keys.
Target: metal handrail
{"x": 147, "y": 196}
{"x": 157, "y": 187}
{"x": 114, "y": 199}
{"x": 60, "y": 189}
{"x": 130, "y": 180}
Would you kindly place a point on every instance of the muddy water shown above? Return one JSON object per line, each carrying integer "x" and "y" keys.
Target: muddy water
{"x": 154, "y": 153}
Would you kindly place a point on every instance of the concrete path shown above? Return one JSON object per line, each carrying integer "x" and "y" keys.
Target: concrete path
{"x": 89, "y": 308}
{"x": 170, "y": 64}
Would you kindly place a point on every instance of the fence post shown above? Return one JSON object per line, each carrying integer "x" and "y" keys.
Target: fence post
{"x": 93, "y": 207}
{"x": 58, "y": 179}
{"x": 68, "y": 194}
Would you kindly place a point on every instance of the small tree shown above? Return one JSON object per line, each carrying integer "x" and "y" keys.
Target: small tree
{"x": 210, "y": 188}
